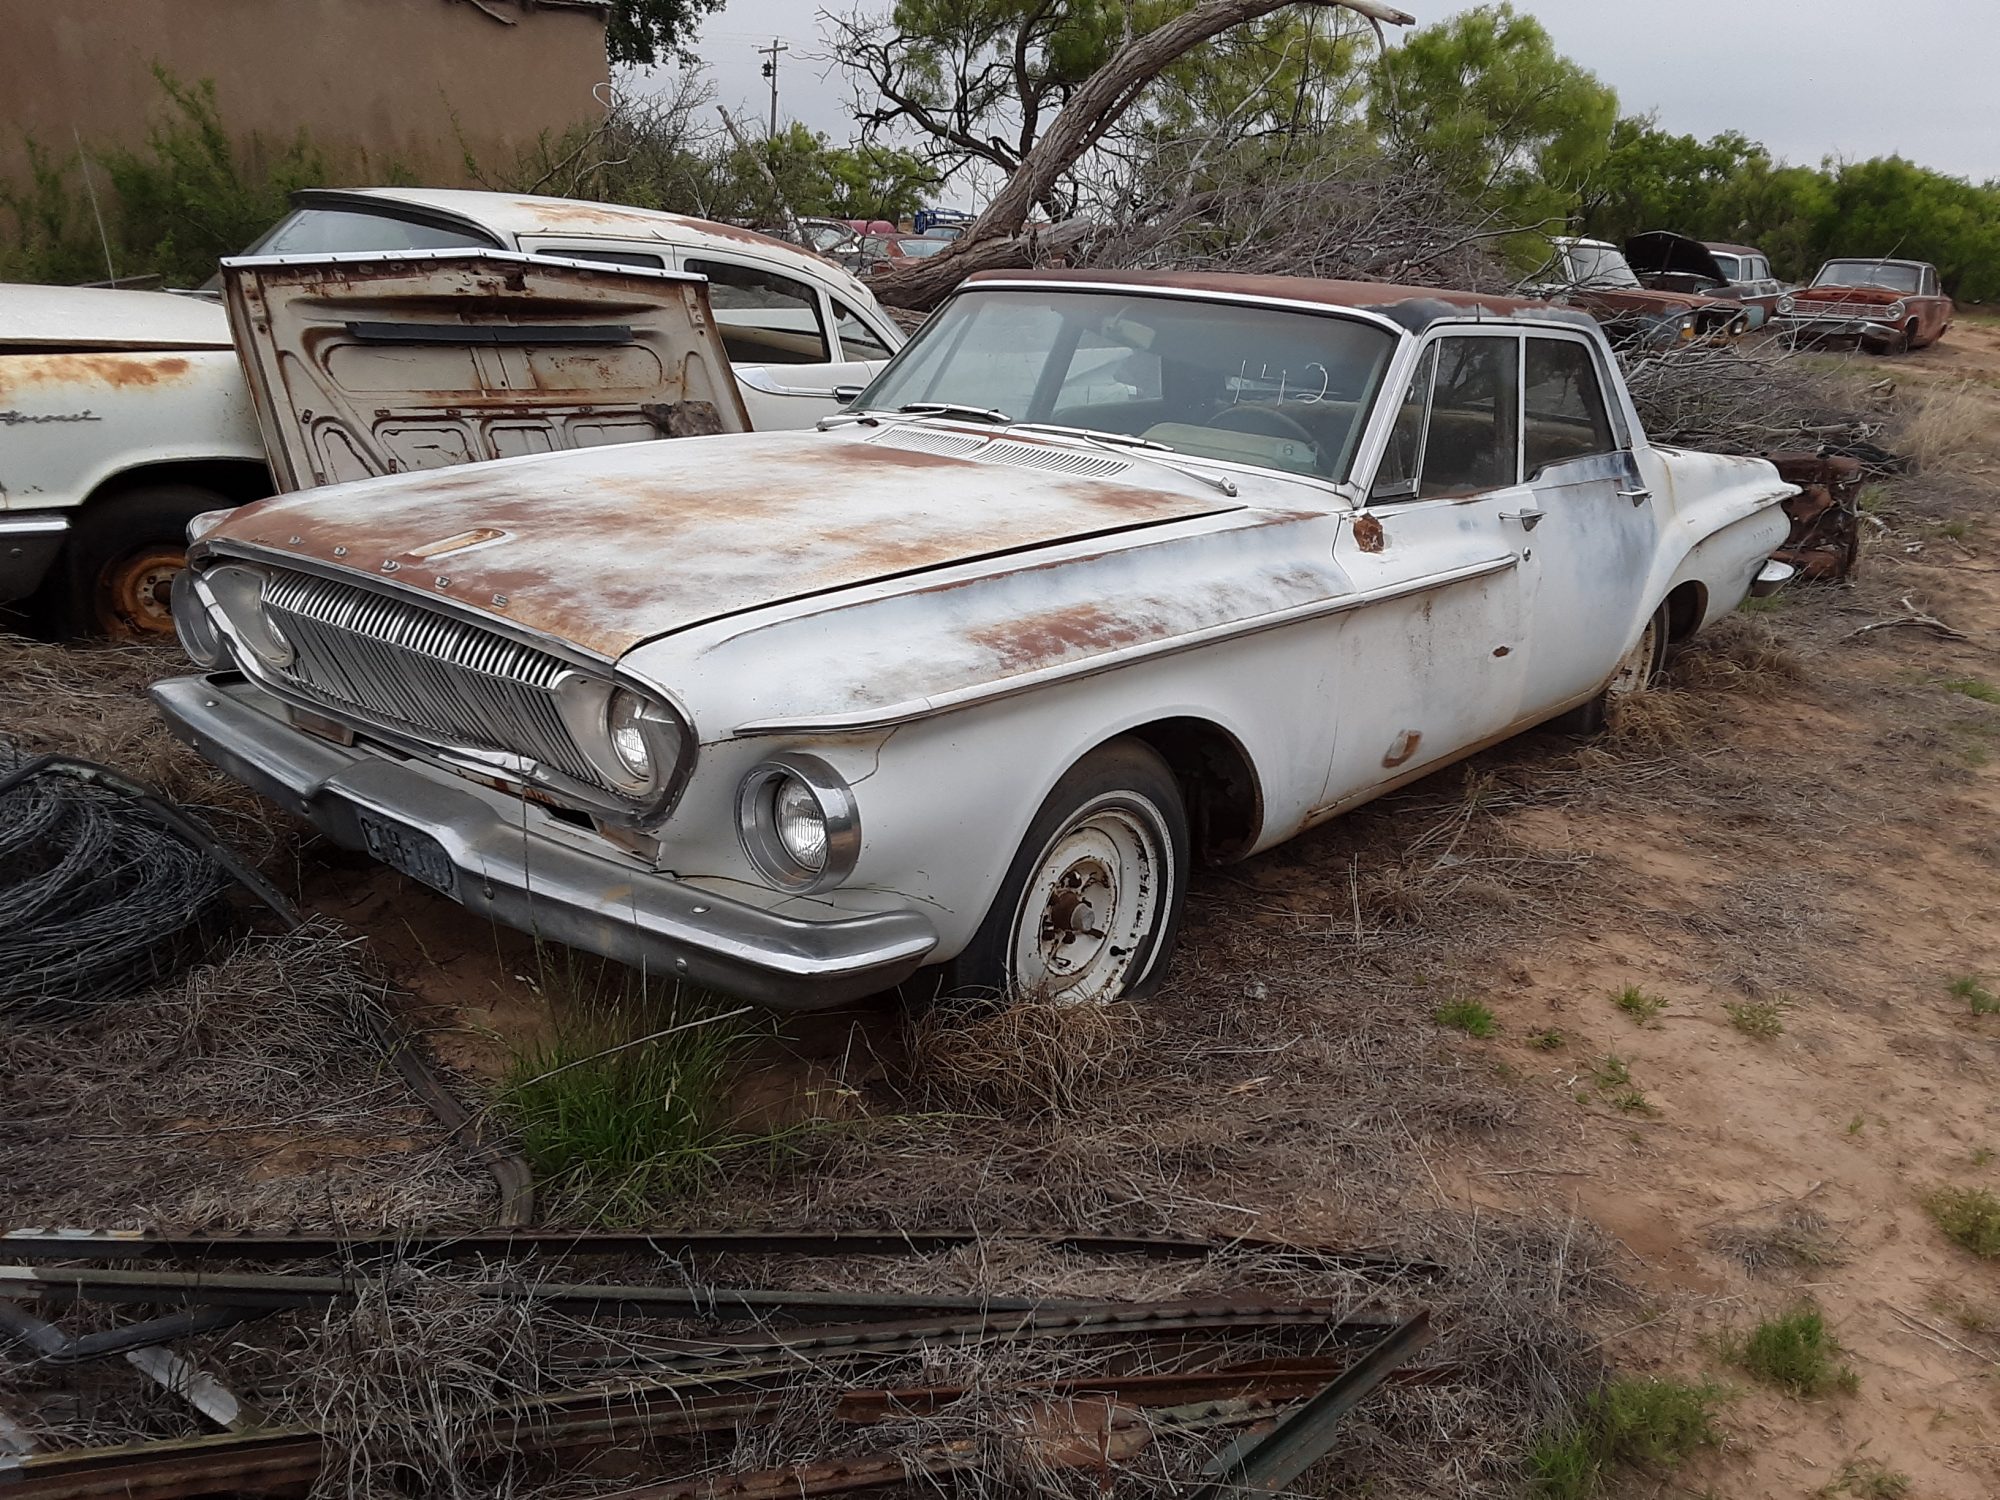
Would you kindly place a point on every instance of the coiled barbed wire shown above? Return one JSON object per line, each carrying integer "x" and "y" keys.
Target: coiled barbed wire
{"x": 98, "y": 897}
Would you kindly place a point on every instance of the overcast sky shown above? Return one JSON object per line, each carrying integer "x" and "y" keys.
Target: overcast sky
{"x": 1810, "y": 78}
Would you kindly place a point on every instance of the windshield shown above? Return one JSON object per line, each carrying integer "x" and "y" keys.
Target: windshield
{"x": 1599, "y": 265}
{"x": 328, "y": 231}
{"x": 1253, "y": 385}
{"x": 922, "y": 245}
{"x": 1888, "y": 275}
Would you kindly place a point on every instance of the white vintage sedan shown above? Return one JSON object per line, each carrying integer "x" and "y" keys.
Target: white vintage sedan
{"x": 1103, "y": 574}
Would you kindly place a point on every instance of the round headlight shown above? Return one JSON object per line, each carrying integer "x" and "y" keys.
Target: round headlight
{"x": 198, "y": 634}
{"x": 1897, "y": 308}
{"x": 239, "y": 594}
{"x": 1786, "y": 303}
{"x": 624, "y": 715}
{"x": 798, "y": 823}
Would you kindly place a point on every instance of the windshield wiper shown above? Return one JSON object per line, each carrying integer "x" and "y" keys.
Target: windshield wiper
{"x": 953, "y": 409}
{"x": 1138, "y": 447}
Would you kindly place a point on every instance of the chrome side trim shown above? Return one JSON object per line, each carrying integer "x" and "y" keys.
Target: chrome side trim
{"x": 1007, "y": 687}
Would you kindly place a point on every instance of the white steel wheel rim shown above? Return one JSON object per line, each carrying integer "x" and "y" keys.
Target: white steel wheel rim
{"x": 1092, "y": 903}
{"x": 1635, "y": 669}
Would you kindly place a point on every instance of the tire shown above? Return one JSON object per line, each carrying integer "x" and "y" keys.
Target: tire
{"x": 1637, "y": 670}
{"x": 123, "y": 552}
{"x": 1114, "y": 829}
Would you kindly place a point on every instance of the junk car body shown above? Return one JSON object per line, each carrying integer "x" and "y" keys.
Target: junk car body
{"x": 1104, "y": 573}
{"x": 1594, "y": 275}
{"x": 126, "y": 414}
{"x": 1887, "y": 306}
{"x": 1668, "y": 262}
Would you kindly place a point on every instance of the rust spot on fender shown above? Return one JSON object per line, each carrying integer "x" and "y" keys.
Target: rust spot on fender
{"x": 1040, "y": 640}
{"x": 118, "y": 371}
{"x": 1368, "y": 533}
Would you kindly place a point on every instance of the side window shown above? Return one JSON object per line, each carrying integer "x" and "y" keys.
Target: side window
{"x": 1565, "y": 415}
{"x": 642, "y": 258}
{"x": 857, "y": 339}
{"x": 765, "y": 318}
{"x": 1469, "y": 441}
{"x": 1396, "y": 479}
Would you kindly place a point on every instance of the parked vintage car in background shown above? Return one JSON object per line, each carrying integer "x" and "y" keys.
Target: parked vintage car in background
{"x": 1667, "y": 262}
{"x": 1103, "y": 574}
{"x": 126, "y": 414}
{"x": 1595, "y": 276}
{"x": 1887, "y": 306}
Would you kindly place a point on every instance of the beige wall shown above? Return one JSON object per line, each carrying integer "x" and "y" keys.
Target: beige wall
{"x": 377, "y": 83}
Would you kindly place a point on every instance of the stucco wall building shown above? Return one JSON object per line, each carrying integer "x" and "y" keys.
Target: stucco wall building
{"x": 408, "y": 86}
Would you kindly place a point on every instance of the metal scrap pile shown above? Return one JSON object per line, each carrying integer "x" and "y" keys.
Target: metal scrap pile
{"x": 1227, "y": 1393}
{"x": 99, "y": 889}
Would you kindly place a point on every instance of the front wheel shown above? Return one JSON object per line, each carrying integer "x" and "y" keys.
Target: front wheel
{"x": 1090, "y": 907}
{"x": 1638, "y": 669}
{"x": 124, "y": 552}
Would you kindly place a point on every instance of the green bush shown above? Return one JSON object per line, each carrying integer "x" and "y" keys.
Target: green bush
{"x": 1970, "y": 1216}
{"x": 1654, "y": 1423}
{"x": 1795, "y": 1352}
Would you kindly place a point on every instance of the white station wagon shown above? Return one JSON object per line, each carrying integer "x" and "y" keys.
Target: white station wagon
{"x": 1103, "y": 574}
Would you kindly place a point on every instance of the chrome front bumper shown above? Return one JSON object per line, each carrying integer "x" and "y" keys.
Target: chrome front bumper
{"x": 603, "y": 904}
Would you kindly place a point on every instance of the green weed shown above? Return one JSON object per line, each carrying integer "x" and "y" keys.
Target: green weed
{"x": 1972, "y": 687}
{"x": 1637, "y": 1004}
{"x": 1468, "y": 1016}
{"x": 625, "y": 1106}
{"x": 1854, "y": 1126}
{"x": 1969, "y": 1216}
{"x": 1764, "y": 604}
{"x": 1762, "y": 1019}
{"x": 1655, "y": 1423}
{"x": 1865, "y": 1479}
{"x": 1794, "y": 1352}
{"x": 1551, "y": 1040}
{"x": 1973, "y": 992}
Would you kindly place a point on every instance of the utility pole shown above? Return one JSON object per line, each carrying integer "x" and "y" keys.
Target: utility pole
{"x": 770, "y": 55}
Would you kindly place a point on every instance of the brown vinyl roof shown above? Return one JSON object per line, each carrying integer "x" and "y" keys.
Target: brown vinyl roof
{"x": 1414, "y": 307}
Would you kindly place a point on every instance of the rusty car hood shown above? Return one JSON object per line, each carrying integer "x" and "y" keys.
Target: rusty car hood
{"x": 1640, "y": 299}
{"x": 377, "y": 364}
{"x": 1874, "y": 296}
{"x": 614, "y": 546}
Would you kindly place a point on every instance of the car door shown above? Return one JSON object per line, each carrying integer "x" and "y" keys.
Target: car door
{"x": 361, "y": 365}
{"x": 788, "y": 339}
{"x": 1595, "y": 526}
{"x": 1433, "y": 664}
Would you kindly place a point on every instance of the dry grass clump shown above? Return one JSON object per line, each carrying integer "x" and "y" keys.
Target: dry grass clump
{"x": 1656, "y": 720}
{"x": 1797, "y": 1240}
{"x": 1943, "y": 425}
{"x": 1737, "y": 655}
{"x": 253, "y": 1092}
{"x": 1032, "y": 1055}
{"x": 89, "y": 699}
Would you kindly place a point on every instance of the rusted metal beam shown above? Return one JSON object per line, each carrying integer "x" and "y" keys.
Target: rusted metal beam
{"x": 67, "y": 1244}
{"x": 1267, "y": 1462}
{"x": 64, "y": 1350}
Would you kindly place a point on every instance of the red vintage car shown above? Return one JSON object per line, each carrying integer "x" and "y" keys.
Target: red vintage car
{"x": 1888, "y": 306}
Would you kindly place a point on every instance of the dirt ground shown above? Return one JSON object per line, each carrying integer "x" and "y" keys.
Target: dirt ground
{"x": 1804, "y": 821}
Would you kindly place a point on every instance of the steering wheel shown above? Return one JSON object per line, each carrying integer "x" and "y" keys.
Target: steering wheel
{"x": 1287, "y": 426}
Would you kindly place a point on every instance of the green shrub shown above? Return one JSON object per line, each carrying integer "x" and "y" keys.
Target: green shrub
{"x": 1794, "y": 1352}
{"x": 1468, "y": 1016}
{"x": 1970, "y": 1216}
{"x": 1655, "y": 1423}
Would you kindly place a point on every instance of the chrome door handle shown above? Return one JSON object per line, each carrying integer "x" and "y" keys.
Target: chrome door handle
{"x": 1638, "y": 497}
{"x": 1529, "y": 519}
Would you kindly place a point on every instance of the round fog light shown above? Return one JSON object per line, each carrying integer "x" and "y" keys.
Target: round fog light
{"x": 798, "y": 822}
{"x": 801, "y": 823}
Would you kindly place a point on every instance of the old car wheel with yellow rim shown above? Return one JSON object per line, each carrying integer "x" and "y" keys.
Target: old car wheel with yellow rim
{"x": 124, "y": 552}
{"x": 1090, "y": 907}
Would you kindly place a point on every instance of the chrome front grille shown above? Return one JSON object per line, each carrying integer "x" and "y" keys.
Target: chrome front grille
{"x": 1874, "y": 312}
{"x": 441, "y": 679}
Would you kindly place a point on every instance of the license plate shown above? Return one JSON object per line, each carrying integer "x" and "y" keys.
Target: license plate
{"x": 416, "y": 854}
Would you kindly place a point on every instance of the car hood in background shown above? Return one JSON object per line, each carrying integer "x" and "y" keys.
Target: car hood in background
{"x": 379, "y": 364}
{"x": 1660, "y": 252}
{"x": 615, "y": 546}
{"x": 88, "y": 317}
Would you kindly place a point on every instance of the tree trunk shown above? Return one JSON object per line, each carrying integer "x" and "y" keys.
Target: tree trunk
{"x": 1092, "y": 110}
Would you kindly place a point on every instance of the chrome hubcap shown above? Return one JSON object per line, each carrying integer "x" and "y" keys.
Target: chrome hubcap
{"x": 1092, "y": 903}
